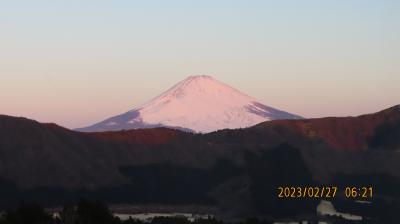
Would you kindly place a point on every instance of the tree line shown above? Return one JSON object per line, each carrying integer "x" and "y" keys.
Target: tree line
{"x": 89, "y": 212}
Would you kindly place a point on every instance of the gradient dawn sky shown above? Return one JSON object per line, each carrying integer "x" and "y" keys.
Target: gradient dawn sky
{"x": 76, "y": 62}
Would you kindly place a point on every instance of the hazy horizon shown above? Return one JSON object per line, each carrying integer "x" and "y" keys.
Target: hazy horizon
{"x": 75, "y": 63}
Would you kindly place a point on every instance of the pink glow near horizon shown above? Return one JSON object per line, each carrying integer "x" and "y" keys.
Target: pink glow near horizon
{"x": 85, "y": 102}
{"x": 79, "y": 62}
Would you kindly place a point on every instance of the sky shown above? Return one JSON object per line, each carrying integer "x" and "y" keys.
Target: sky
{"x": 77, "y": 62}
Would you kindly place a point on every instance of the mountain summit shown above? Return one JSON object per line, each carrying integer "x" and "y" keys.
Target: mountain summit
{"x": 199, "y": 104}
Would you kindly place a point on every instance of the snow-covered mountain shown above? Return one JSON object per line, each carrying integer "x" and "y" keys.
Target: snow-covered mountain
{"x": 199, "y": 104}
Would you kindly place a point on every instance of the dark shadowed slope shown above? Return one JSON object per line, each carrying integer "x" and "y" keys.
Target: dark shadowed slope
{"x": 34, "y": 154}
{"x": 228, "y": 168}
{"x": 68, "y": 158}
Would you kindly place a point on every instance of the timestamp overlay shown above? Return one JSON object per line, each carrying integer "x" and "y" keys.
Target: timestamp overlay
{"x": 324, "y": 192}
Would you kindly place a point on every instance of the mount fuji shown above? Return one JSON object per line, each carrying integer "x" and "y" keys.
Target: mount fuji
{"x": 198, "y": 104}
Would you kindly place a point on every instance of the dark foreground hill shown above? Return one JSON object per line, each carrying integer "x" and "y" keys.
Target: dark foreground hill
{"x": 237, "y": 171}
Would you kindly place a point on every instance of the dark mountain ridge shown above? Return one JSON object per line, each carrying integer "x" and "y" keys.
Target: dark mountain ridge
{"x": 236, "y": 170}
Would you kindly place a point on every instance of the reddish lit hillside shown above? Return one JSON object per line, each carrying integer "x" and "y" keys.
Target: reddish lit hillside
{"x": 156, "y": 136}
{"x": 148, "y": 165}
{"x": 344, "y": 133}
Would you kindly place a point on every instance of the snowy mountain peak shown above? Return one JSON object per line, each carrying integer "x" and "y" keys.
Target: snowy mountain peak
{"x": 198, "y": 103}
{"x": 201, "y": 89}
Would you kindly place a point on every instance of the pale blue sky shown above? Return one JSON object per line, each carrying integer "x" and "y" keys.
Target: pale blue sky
{"x": 77, "y": 62}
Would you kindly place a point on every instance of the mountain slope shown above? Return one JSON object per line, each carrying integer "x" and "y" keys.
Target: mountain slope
{"x": 198, "y": 103}
{"x": 377, "y": 130}
{"x": 74, "y": 159}
{"x": 235, "y": 170}
{"x": 35, "y": 154}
